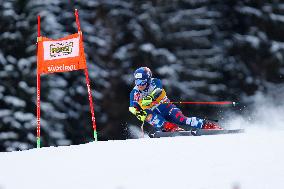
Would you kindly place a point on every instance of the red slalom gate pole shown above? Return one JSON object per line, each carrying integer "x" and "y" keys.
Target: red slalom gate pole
{"x": 87, "y": 81}
{"x": 91, "y": 105}
{"x": 77, "y": 20}
{"x": 38, "y": 87}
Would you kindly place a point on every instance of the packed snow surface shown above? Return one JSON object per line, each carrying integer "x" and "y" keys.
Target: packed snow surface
{"x": 253, "y": 160}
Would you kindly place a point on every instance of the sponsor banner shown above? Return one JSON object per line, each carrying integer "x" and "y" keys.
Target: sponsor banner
{"x": 61, "y": 49}
{"x": 61, "y": 55}
{"x": 61, "y": 68}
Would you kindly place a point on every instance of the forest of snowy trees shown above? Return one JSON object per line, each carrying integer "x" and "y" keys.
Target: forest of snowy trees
{"x": 203, "y": 50}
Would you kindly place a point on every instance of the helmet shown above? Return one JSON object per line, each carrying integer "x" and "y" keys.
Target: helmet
{"x": 142, "y": 76}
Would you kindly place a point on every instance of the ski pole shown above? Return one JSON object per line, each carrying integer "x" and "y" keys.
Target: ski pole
{"x": 202, "y": 103}
{"x": 142, "y": 129}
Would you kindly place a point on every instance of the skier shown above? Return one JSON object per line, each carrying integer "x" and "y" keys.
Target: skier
{"x": 149, "y": 102}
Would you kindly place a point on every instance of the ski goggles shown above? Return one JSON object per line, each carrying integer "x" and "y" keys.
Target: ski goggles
{"x": 140, "y": 82}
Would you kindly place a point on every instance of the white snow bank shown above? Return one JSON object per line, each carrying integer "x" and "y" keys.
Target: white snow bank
{"x": 245, "y": 161}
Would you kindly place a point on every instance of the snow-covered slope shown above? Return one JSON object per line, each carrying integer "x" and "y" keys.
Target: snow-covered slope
{"x": 254, "y": 160}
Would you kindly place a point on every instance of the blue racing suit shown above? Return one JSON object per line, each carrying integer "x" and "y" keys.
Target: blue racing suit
{"x": 161, "y": 111}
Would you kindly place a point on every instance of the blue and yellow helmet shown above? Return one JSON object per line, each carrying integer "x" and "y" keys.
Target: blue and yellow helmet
{"x": 142, "y": 76}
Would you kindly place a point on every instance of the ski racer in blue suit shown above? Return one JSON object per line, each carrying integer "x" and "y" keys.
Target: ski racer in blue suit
{"x": 149, "y": 102}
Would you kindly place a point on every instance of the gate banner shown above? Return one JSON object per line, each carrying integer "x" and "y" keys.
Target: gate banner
{"x": 61, "y": 55}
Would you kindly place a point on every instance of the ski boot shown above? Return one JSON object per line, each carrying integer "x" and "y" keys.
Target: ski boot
{"x": 171, "y": 127}
{"x": 208, "y": 125}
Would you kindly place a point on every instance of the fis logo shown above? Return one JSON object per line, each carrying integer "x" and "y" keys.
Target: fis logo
{"x": 61, "y": 49}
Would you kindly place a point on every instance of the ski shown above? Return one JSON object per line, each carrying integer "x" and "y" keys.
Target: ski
{"x": 201, "y": 132}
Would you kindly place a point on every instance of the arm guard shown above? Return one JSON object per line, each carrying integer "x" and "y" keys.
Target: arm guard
{"x": 156, "y": 93}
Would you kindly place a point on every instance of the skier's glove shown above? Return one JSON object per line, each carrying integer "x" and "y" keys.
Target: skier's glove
{"x": 147, "y": 100}
{"x": 141, "y": 115}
